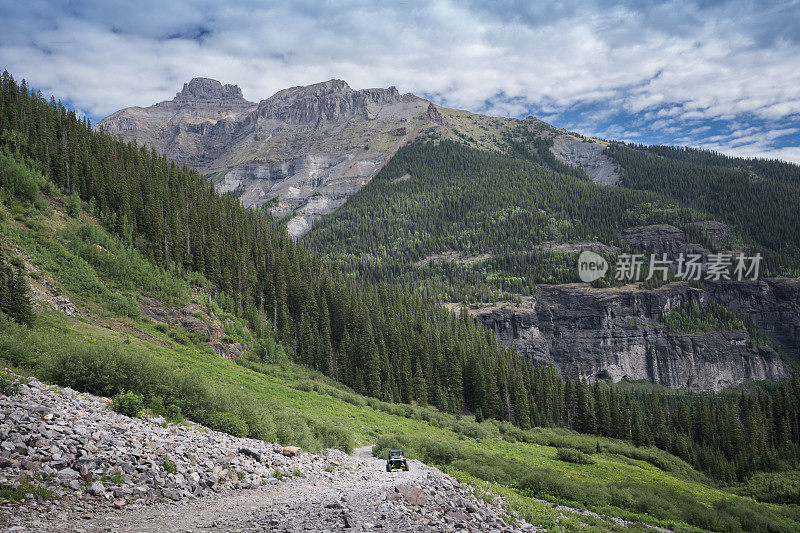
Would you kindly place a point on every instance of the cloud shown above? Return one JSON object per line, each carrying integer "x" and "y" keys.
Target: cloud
{"x": 661, "y": 70}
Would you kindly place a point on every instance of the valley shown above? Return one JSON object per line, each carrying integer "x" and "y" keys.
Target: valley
{"x": 573, "y": 406}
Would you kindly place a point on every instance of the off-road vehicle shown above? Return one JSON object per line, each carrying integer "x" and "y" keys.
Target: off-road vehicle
{"x": 396, "y": 461}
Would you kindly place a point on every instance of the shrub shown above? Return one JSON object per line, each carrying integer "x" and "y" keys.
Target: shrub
{"x": 173, "y": 414}
{"x": 74, "y": 204}
{"x": 157, "y": 405}
{"x": 179, "y": 336}
{"x": 573, "y": 456}
{"x": 8, "y": 385}
{"x": 333, "y": 436}
{"x": 128, "y": 403}
{"x": 17, "y": 492}
{"x": 545, "y": 482}
{"x": 228, "y": 423}
{"x": 773, "y": 487}
{"x": 169, "y": 465}
{"x": 105, "y": 368}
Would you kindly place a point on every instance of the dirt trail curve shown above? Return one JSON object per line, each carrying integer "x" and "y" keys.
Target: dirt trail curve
{"x": 354, "y": 498}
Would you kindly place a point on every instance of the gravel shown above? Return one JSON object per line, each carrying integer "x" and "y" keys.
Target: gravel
{"x": 106, "y": 472}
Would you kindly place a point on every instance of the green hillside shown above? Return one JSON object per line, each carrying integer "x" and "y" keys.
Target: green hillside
{"x": 377, "y": 340}
{"x": 759, "y": 199}
{"x": 265, "y": 395}
{"x": 458, "y": 224}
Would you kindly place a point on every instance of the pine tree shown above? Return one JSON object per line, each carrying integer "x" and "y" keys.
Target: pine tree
{"x": 420, "y": 386}
{"x": 15, "y": 300}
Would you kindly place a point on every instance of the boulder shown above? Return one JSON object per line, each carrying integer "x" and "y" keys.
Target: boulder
{"x": 291, "y": 451}
{"x": 250, "y": 453}
{"x": 97, "y": 489}
{"x": 413, "y": 494}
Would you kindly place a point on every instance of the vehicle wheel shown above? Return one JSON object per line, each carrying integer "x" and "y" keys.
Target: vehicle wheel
{"x": 388, "y": 469}
{"x": 405, "y": 467}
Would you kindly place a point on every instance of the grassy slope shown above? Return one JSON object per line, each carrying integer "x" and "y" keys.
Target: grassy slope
{"x": 34, "y": 234}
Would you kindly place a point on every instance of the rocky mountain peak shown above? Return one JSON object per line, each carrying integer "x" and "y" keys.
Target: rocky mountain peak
{"x": 208, "y": 89}
{"x": 328, "y": 101}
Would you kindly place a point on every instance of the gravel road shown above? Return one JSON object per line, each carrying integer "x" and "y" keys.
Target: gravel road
{"x": 108, "y": 472}
{"x": 361, "y": 496}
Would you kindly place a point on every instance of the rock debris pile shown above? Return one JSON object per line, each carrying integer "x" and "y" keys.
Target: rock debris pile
{"x": 76, "y": 465}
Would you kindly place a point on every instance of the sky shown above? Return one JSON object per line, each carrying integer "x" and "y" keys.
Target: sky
{"x": 717, "y": 75}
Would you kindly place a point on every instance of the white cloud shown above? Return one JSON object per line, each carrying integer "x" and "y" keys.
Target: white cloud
{"x": 676, "y": 63}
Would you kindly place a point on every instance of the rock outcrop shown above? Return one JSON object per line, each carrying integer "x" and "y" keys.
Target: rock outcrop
{"x": 195, "y": 319}
{"x": 589, "y": 156}
{"x": 663, "y": 239}
{"x": 614, "y": 333}
{"x": 188, "y": 128}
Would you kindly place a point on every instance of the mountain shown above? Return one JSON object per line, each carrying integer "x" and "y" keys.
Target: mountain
{"x": 305, "y": 150}
{"x": 151, "y": 290}
{"x": 502, "y": 235}
{"x": 469, "y": 209}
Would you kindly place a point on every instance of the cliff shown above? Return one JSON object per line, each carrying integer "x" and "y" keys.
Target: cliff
{"x": 613, "y": 333}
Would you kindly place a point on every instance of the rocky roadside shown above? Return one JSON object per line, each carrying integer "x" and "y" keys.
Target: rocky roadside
{"x": 97, "y": 470}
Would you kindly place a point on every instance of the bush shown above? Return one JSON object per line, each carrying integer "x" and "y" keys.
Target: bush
{"x": 157, "y": 405}
{"x": 545, "y": 482}
{"x": 173, "y": 414}
{"x": 128, "y": 404}
{"x": 18, "y": 492}
{"x": 74, "y": 204}
{"x": 773, "y": 487}
{"x": 8, "y": 384}
{"x": 105, "y": 369}
{"x": 180, "y": 336}
{"x": 228, "y": 423}
{"x": 169, "y": 465}
{"x": 333, "y": 436}
{"x": 573, "y": 456}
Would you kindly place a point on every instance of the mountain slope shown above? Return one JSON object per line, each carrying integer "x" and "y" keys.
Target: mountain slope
{"x": 463, "y": 225}
{"x": 304, "y": 150}
{"x": 373, "y": 340}
{"x": 759, "y": 199}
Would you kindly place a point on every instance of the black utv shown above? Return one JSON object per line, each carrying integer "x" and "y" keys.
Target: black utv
{"x": 396, "y": 461}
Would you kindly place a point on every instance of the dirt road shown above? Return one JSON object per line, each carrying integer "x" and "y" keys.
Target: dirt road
{"x": 352, "y": 498}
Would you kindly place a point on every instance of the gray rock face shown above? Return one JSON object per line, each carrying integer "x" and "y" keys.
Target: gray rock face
{"x": 660, "y": 239}
{"x": 306, "y": 149}
{"x": 588, "y": 156}
{"x": 200, "y": 89}
{"x": 610, "y": 333}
